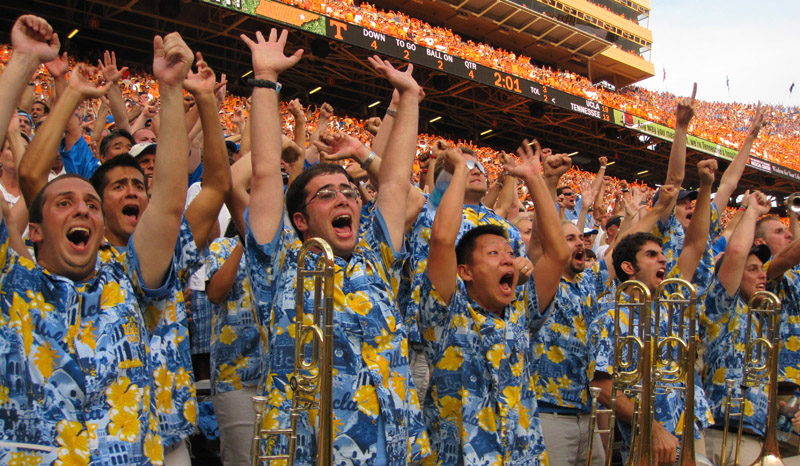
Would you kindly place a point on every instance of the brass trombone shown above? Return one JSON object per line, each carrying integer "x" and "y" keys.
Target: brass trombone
{"x": 760, "y": 368}
{"x": 312, "y": 377}
{"x": 647, "y": 363}
{"x": 632, "y": 361}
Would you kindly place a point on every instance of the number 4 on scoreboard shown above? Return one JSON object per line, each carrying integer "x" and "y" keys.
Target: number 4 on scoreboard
{"x": 374, "y": 45}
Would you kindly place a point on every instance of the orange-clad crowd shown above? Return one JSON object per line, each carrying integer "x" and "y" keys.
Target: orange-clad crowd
{"x": 722, "y": 123}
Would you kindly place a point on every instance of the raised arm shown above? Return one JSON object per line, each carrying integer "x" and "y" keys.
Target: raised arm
{"x": 299, "y": 115}
{"x": 442, "y": 263}
{"x": 554, "y": 249}
{"x": 694, "y": 244}
{"x": 219, "y": 285}
{"x": 730, "y": 272}
{"x": 325, "y": 114}
{"x": 677, "y": 156}
{"x": 397, "y": 164}
{"x": 730, "y": 178}
{"x": 266, "y": 187}
{"x": 43, "y": 149}
{"x": 203, "y": 211}
{"x": 115, "y": 100}
{"x": 157, "y": 231}
{"x": 33, "y": 42}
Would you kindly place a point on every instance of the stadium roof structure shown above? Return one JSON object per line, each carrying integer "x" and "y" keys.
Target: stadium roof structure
{"x": 517, "y": 26}
{"x": 456, "y": 106}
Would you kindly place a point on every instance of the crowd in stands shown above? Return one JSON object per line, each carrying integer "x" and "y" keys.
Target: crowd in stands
{"x": 722, "y": 123}
{"x": 484, "y": 287}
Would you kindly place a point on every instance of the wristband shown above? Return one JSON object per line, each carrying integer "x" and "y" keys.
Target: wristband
{"x": 424, "y": 170}
{"x": 265, "y": 83}
{"x": 368, "y": 161}
{"x": 391, "y": 112}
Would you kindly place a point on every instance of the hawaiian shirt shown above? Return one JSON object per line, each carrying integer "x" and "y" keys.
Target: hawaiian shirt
{"x": 668, "y": 405}
{"x": 480, "y": 407}
{"x": 169, "y": 343}
{"x": 419, "y": 247}
{"x": 372, "y": 384}
{"x": 563, "y": 363}
{"x": 726, "y": 318}
{"x": 235, "y": 340}
{"x": 75, "y": 374}
{"x": 787, "y": 288}
{"x": 672, "y": 234}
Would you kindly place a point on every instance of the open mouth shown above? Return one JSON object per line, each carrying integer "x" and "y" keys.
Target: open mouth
{"x": 661, "y": 273}
{"x": 78, "y": 236}
{"x": 131, "y": 211}
{"x": 507, "y": 282}
{"x": 342, "y": 225}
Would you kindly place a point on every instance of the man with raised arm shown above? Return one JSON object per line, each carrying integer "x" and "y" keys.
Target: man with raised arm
{"x": 78, "y": 380}
{"x": 740, "y": 274}
{"x": 480, "y": 407}
{"x": 639, "y": 256}
{"x": 376, "y": 412}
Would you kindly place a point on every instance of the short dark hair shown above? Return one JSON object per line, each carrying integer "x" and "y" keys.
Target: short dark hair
{"x": 35, "y": 212}
{"x": 561, "y": 189}
{"x": 296, "y": 193}
{"x": 41, "y": 102}
{"x": 113, "y": 134}
{"x": 626, "y": 251}
{"x": 100, "y": 179}
{"x": 466, "y": 245}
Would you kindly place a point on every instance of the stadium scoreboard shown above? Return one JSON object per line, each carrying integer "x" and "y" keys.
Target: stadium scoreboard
{"x": 436, "y": 59}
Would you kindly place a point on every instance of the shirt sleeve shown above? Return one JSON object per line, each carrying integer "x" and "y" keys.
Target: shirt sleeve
{"x": 264, "y": 262}
{"x": 79, "y": 158}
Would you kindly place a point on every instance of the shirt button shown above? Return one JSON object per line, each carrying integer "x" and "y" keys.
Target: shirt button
{"x": 96, "y": 452}
{"x": 374, "y": 421}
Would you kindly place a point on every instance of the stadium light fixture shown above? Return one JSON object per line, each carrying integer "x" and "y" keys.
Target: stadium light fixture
{"x": 247, "y": 74}
{"x": 73, "y": 34}
{"x": 610, "y": 163}
{"x": 434, "y": 120}
{"x": 374, "y": 104}
{"x": 486, "y": 132}
{"x": 643, "y": 172}
{"x": 316, "y": 89}
{"x": 572, "y": 154}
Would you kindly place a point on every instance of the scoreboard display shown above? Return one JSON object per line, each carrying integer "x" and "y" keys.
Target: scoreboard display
{"x": 433, "y": 58}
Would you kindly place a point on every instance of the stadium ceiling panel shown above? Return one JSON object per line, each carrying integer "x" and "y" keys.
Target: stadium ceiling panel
{"x": 467, "y": 107}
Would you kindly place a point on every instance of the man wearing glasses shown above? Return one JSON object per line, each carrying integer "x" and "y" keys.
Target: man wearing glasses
{"x": 377, "y": 419}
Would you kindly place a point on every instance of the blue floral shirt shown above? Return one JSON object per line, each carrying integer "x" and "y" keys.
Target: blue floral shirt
{"x": 669, "y": 405}
{"x": 787, "y": 288}
{"x": 480, "y": 407}
{"x": 419, "y": 247}
{"x": 235, "y": 341}
{"x": 726, "y": 328}
{"x": 169, "y": 343}
{"x": 672, "y": 234}
{"x": 75, "y": 373}
{"x": 372, "y": 382}
{"x": 563, "y": 361}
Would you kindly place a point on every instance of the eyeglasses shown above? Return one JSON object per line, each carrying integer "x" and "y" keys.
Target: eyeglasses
{"x": 472, "y": 164}
{"x": 327, "y": 194}
{"x": 567, "y": 194}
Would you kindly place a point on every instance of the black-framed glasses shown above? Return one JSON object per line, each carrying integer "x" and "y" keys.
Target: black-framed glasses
{"x": 472, "y": 164}
{"x": 328, "y": 194}
{"x": 567, "y": 194}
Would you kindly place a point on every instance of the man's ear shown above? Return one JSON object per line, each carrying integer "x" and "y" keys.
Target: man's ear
{"x": 465, "y": 272}
{"x": 35, "y": 232}
{"x": 758, "y": 241}
{"x": 300, "y": 221}
{"x": 628, "y": 268}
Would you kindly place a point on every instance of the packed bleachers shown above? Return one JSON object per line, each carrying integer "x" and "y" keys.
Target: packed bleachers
{"x": 722, "y": 123}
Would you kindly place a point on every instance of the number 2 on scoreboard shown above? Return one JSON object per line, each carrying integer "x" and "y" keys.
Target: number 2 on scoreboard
{"x": 405, "y": 54}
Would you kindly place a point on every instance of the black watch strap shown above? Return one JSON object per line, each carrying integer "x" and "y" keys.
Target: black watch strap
{"x": 265, "y": 83}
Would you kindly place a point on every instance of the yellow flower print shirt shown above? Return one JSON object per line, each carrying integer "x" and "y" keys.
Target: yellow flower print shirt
{"x": 75, "y": 374}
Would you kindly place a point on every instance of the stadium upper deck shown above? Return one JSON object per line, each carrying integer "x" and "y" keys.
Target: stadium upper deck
{"x": 603, "y": 40}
